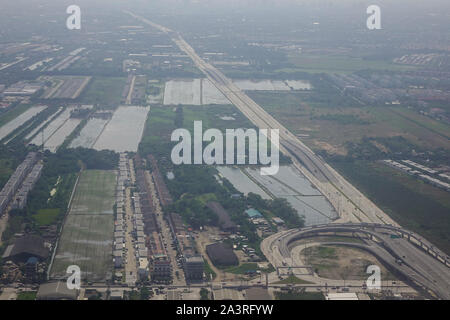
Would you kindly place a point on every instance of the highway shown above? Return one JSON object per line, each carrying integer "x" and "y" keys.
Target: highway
{"x": 424, "y": 270}
{"x": 396, "y": 248}
{"x": 350, "y": 204}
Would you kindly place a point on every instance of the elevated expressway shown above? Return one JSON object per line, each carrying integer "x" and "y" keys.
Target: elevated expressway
{"x": 419, "y": 266}
{"x": 403, "y": 252}
{"x": 350, "y": 204}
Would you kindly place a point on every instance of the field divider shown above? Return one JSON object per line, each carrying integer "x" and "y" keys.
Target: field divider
{"x": 62, "y": 224}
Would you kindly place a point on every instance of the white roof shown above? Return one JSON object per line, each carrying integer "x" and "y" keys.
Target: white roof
{"x": 342, "y": 296}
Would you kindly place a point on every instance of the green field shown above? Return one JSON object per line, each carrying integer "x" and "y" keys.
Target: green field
{"x": 86, "y": 239}
{"x": 292, "y": 295}
{"x": 416, "y": 205}
{"x": 27, "y": 295}
{"x": 46, "y": 216}
{"x": 242, "y": 268}
{"x": 13, "y": 113}
{"x": 318, "y": 63}
{"x": 161, "y": 122}
{"x": 330, "y": 128}
{"x": 95, "y": 193}
{"x": 104, "y": 91}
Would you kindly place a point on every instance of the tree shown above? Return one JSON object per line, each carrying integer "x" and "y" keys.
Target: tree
{"x": 204, "y": 294}
{"x": 145, "y": 293}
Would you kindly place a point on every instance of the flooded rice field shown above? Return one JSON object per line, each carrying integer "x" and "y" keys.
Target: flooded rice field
{"x": 241, "y": 182}
{"x": 182, "y": 92}
{"x": 39, "y": 127}
{"x": 288, "y": 183}
{"x": 61, "y": 134}
{"x": 124, "y": 131}
{"x": 89, "y": 134}
{"x": 203, "y": 92}
{"x": 20, "y": 120}
{"x": 52, "y": 127}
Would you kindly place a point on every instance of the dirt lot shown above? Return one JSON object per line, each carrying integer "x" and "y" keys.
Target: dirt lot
{"x": 341, "y": 263}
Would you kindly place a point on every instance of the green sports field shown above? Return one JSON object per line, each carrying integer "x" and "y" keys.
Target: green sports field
{"x": 86, "y": 239}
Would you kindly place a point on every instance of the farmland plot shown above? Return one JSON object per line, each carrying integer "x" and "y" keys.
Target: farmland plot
{"x": 291, "y": 185}
{"x": 43, "y": 124}
{"x": 263, "y": 85}
{"x": 212, "y": 95}
{"x": 124, "y": 131}
{"x": 182, "y": 92}
{"x": 203, "y": 92}
{"x": 61, "y": 134}
{"x": 89, "y": 133}
{"x": 299, "y": 84}
{"x": 86, "y": 238}
{"x": 20, "y": 120}
{"x": 52, "y": 127}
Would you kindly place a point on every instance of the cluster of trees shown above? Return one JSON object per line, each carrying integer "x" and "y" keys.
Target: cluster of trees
{"x": 179, "y": 117}
{"x": 59, "y": 172}
{"x": 204, "y": 294}
{"x": 342, "y": 118}
{"x": 10, "y": 158}
{"x": 193, "y": 179}
{"x": 279, "y": 207}
{"x": 153, "y": 90}
{"x": 369, "y": 149}
{"x": 192, "y": 184}
{"x": 88, "y": 158}
{"x": 194, "y": 212}
{"x": 15, "y": 221}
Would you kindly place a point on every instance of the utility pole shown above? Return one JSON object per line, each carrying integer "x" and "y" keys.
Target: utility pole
{"x": 42, "y": 145}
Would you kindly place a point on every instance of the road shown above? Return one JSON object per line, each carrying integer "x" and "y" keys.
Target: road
{"x": 3, "y": 223}
{"x": 130, "y": 91}
{"x": 420, "y": 265}
{"x": 130, "y": 250}
{"x": 350, "y": 204}
{"x": 165, "y": 234}
{"x": 130, "y": 263}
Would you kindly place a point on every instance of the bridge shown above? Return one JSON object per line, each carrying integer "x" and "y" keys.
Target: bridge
{"x": 405, "y": 253}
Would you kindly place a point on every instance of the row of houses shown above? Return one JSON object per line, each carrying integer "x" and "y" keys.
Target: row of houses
{"x": 159, "y": 264}
{"x": 161, "y": 188}
{"x": 419, "y": 166}
{"x": 435, "y": 182}
{"x": 419, "y": 174}
{"x": 17, "y": 179}
{"x": 20, "y": 199}
{"x": 192, "y": 262}
{"x": 119, "y": 223}
{"x": 141, "y": 239}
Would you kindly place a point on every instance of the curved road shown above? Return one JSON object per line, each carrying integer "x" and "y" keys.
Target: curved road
{"x": 423, "y": 266}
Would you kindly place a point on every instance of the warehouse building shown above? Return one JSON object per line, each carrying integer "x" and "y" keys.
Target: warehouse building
{"x": 221, "y": 255}
{"x": 56, "y": 291}
{"x": 25, "y": 248}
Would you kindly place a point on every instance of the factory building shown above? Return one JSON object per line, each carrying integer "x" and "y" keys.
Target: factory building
{"x": 26, "y": 247}
{"x": 221, "y": 255}
{"x": 193, "y": 267}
